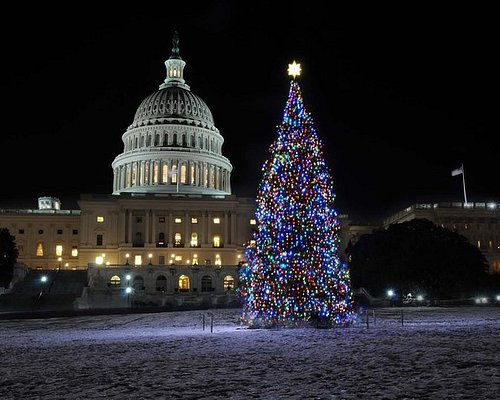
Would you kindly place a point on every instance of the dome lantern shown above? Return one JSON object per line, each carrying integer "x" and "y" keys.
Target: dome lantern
{"x": 175, "y": 67}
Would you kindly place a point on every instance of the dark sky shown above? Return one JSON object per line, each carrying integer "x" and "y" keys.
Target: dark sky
{"x": 399, "y": 96}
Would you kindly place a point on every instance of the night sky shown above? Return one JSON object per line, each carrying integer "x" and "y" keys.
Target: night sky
{"x": 399, "y": 96}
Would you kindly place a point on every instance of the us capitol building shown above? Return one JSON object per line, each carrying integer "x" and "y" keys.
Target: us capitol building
{"x": 171, "y": 230}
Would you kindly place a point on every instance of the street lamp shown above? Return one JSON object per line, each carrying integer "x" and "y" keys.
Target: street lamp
{"x": 59, "y": 259}
{"x": 127, "y": 255}
{"x": 150, "y": 257}
{"x": 128, "y": 290}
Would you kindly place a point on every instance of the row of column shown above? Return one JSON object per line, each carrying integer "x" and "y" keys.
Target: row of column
{"x": 204, "y": 227}
{"x": 158, "y": 172}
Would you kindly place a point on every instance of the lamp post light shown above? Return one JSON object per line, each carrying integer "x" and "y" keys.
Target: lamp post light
{"x": 128, "y": 290}
{"x": 390, "y": 294}
{"x": 59, "y": 259}
{"x": 150, "y": 258}
{"x": 128, "y": 256}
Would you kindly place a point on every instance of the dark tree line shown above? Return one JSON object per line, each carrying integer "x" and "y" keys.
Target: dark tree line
{"x": 8, "y": 256}
{"x": 418, "y": 257}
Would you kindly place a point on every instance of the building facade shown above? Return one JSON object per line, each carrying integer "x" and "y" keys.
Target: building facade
{"x": 478, "y": 221}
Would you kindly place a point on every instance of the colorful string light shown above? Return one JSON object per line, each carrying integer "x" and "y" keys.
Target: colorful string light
{"x": 293, "y": 274}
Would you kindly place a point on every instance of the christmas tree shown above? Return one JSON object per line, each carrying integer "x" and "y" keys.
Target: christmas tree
{"x": 293, "y": 275}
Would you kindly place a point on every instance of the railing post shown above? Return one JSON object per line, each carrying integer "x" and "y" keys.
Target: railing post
{"x": 374, "y": 318}
{"x": 367, "y": 319}
{"x": 402, "y": 317}
{"x": 203, "y": 321}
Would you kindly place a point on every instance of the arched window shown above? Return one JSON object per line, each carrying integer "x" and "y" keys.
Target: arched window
{"x": 184, "y": 141}
{"x": 161, "y": 240}
{"x": 184, "y": 283}
{"x": 138, "y": 283}
{"x": 161, "y": 284}
{"x": 194, "y": 239}
{"x": 115, "y": 280}
{"x": 177, "y": 239}
{"x": 192, "y": 141}
{"x": 228, "y": 283}
{"x": 183, "y": 173}
{"x": 174, "y": 174}
{"x": 164, "y": 174}
{"x": 138, "y": 238}
{"x": 39, "y": 249}
{"x": 206, "y": 283}
{"x": 174, "y": 139}
{"x": 155, "y": 172}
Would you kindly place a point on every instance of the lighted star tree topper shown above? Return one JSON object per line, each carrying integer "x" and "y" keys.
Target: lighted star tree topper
{"x": 293, "y": 275}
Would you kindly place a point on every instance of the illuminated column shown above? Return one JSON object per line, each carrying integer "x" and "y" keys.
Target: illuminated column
{"x": 123, "y": 236}
{"x": 209, "y": 227}
{"x": 233, "y": 228}
{"x": 186, "y": 230}
{"x": 153, "y": 226}
{"x": 129, "y": 239}
{"x": 203, "y": 235}
{"x": 226, "y": 227}
{"x": 170, "y": 233}
{"x": 148, "y": 216}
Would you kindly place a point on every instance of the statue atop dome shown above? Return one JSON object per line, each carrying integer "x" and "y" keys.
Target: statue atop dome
{"x": 175, "y": 47}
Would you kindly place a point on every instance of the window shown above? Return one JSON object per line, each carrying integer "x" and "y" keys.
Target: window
{"x": 178, "y": 220}
{"x": 115, "y": 280}
{"x": 75, "y": 231}
{"x": 195, "y": 259}
{"x": 178, "y": 259}
{"x": 194, "y": 240}
{"x": 59, "y": 231}
{"x": 253, "y": 221}
{"x": 161, "y": 284}
{"x": 138, "y": 283}
{"x": 183, "y": 173}
{"x": 59, "y": 250}
{"x": 161, "y": 220}
{"x": 216, "y": 241}
{"x": 177, "y": 239}
{"x": 40, "y": 231}
{"x": 194, "y": 220}
{"x": 100, "y": 219}
{"x": 216, "y": 220}
{"x": 206, "y": 284}
{"x": 21, "y": 231}
{"x": 138, "y": 260}
{"x": 174, "y": 174}
{"x": 184, "y": 282}
{"x": 161, "y": 260}
{"x": 39, "y": 249}
{"x": 161, "y": 240}
{"x": 228, "y": 283}
{"x": 74, "y": 251}
{"x": 138, "y": 220}
{"x": 218, "y": 260}
{"x": 99, "y": 240}
{"x": 164, "y": 177}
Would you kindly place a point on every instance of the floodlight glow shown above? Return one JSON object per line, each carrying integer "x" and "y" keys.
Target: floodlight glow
{"x": 498, "y": 297}
{"x": 390, "y": 293}
{"x": 420, "y": 297}
{"x": 128, "y": 290}
{"x": 127, "y": 277}
{"x": 43, "y": 278}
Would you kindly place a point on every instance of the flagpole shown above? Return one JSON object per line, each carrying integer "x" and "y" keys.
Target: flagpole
{"x": 463, "y": 180}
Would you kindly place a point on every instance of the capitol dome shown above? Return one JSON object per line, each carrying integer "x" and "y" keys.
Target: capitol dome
{"x": 172, "y": 145}
{"x": 173, "y": 102}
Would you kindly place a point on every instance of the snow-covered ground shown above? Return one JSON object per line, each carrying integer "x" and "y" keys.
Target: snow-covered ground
{"x": 451, "y": 353}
